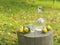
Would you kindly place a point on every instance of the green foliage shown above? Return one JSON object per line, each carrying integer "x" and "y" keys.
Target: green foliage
{"x": 58, "y": 0}
{"x": 45, "y": 0}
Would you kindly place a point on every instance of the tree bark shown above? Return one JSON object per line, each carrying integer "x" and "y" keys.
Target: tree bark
{"x": 35, "y": 38}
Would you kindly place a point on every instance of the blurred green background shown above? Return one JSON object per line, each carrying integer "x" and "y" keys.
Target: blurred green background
{"x": 14, "y": 13}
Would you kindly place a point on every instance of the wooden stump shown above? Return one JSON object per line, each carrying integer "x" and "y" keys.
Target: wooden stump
{"x": 35, "y": 38}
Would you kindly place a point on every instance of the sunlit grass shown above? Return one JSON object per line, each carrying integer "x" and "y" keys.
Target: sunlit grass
{"x": 14, "y": 14}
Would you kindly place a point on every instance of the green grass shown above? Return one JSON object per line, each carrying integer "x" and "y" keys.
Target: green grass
{"x": 56, "y": 5}
{"x": 16, "y": 13}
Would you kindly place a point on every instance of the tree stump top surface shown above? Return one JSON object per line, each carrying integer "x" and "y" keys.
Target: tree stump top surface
{"x": 36, "y": 34}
